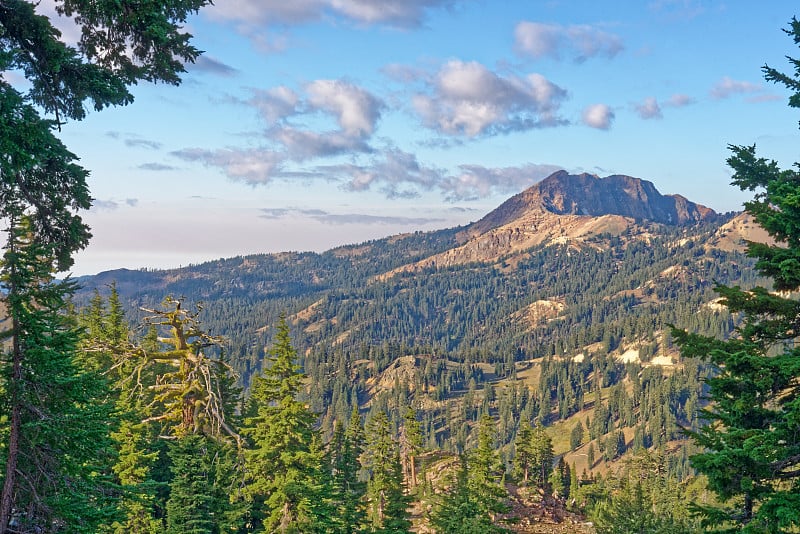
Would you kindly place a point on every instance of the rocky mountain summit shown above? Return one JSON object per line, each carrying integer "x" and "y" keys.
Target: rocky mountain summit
{"x": 565, "y": 208}
{"x": 585, "y": 194}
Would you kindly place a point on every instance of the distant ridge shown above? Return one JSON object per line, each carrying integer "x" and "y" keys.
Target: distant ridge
{"x": 562, "y": 193}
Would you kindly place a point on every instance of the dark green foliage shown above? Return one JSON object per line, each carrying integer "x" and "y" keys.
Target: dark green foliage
{"x": 190, "y": 508}
{"x": 752, "y": 457}
{"x": 386, "y": 499}
{"x": 459, "y": 511}
{"x": 283, "y": 462}
{"x": 485, "y": 479}
{"x": 643, "y": 499}
{"x": 347, "y": 490}
{"x": 58, "y": 454}
{"x": 576, "y": 436}
{"x": 58, "y": 451}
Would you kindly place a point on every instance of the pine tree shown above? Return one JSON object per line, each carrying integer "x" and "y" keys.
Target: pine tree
{"x": 347, "y": 489}
{"x": 541, "y": 456}
{"x": 103, "y": 348}
{"x": 283, "y": 464}
{"x": 485, "y": 470}
{"x": 40, "y": 178}
{"x": 458, "y": 511}
{"x": 523, "y": 457}
{"x": 191, "y": 505}
{"x": 410, "y": 445}
{"x": 752, "y": 445}
{"x": 58, "y": 456}
{"x": 576, "y": 436}
{"x": 387, "y": 504}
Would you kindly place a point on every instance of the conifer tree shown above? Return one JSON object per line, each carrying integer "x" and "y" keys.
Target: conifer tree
{"x": 283, "y": 463}
{"x": 347, "y": 489}
{"x": 190, "y": 509}
{"x": 410, "y": 445}
{"x": 541, "y": 456}
{"x": 40, "y": 178}
{"x": 58, "y": 455}
{"x": 751, "y": 438}
{"x": 386, "y": 500}
{"x": 458, "y": 510}
{"x": 523, "y": 457}
{"x": 485, "y": 470}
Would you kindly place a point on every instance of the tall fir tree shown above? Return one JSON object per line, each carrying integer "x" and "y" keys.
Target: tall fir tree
{"x": 58, "y": 454}
{"x": 751, "y": 439}
{"x": 40, "y": 179}
{"x": 485, "y": 479}
{"x": 523, "y": 452}
{"x": 348, "y": 490}
{"x": 410, "y": 445}
{"x": 387, "y": 502}
{"x": 283, "y": 461}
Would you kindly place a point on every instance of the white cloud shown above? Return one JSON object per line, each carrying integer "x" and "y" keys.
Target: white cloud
{"x": 469, "y": 99}
{"x": 598, "y": 116}
{"x": 252, "y": 166}
{"x": 301, "y": 145}
{"x": 648, "y": 108}
{"x": 582, "y": 42}
{"x": 355, "y": 109}
{"x": 476, "y": 181}
{"x": 401, "y": 13}
{"x": 258, "y": 19}
{"x": 727, "y": 87}
{"x": 679, "y": 101}
{"x": 397, "y": 173}
{"x": 276, "y": 103}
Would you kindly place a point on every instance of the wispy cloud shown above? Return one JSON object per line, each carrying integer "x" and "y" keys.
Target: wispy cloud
{"x": 134, "y": 140}
{"x": 581, "y": 42}
{"x": 648, "y": 108}
{"x": 598, "y": 116}
{"x": 143, "y": 143}
{"x": 253, "y": 166}
{"x": 276, "y": 103}
{"x": 396, "y": 173}
{"x": 679, "y": 100}
{"x": 206, "y": 63}
{"x": 467, "y": 99}
{"x": 112, "y": 204}
{"x": 399, "y": 174}
{"x": 327, "y": 217}
{"x": 257, "y": 19}
{"x": 153, "y": 166}
{"x": 476, "y": 181}
{"x": 728, "y": 87}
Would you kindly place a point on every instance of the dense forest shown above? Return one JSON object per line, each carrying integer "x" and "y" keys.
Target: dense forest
{"x": 644, "y": 380}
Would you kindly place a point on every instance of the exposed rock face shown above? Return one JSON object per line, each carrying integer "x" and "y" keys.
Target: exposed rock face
{"x": 567, "y": 209}
{"x": 562, "y": 193}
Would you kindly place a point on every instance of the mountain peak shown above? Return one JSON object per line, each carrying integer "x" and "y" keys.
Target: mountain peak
{"x": 563, "y": 193}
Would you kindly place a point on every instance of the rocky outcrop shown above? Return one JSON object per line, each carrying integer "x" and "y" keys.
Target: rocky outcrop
{"x": 562, "y": 193}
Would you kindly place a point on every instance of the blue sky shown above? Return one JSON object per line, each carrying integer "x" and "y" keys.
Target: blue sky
{"x": 314, "y": 123}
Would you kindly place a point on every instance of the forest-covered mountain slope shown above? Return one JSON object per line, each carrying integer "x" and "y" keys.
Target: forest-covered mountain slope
{"x": 554, "y": 308}
{"x": 570, "y": 262}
